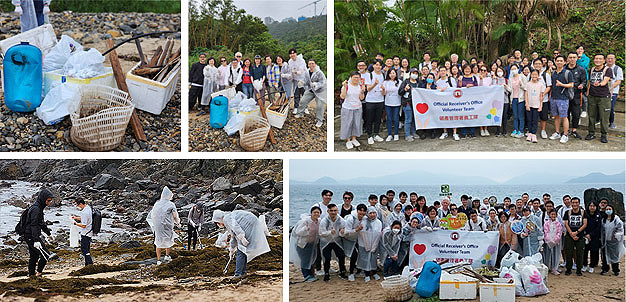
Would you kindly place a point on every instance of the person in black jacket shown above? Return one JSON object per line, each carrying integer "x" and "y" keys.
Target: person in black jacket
{"x": 35, "y": 224}
{"x": 580, "y": 84}
{"x": 259, "y": 72}
{"x": 196, "y": 79}
{"x": 593, "y": 234}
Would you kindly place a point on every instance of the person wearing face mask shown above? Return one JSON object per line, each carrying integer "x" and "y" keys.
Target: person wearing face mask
{"x": 391, "y": 241}
{"x": 612, "y": 241}
{"x": 405, "y": 89}
{"x": 303, "y": 242}
{"x": 501, "y": 80}
{"x": 428, "y": 83}
{"x": 368, "y": 244}
{"x": 532, "y": 236}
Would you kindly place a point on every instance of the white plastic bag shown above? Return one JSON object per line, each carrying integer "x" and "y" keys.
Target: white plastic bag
{"x": 264, "y": 224}
{"x": 509, "y": 259}
{"x": 536, "y": 261}
{"x": 506, "y": 272}
{"x": 222, "y": 240}
{"x": 234, "y": 123}
{"x": 236, "y": 100}
{"x": 84, "y": 64}
{"x": 74, "y": 235}
{"x": 60, "y": 53}
{"x": 54, "y": 107}
{"x": 533, "y": 282}
{"x": 248, "y": 105}
{"x": 258, "y": 85}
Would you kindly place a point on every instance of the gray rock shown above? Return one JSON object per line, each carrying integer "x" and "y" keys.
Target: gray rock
{"x": 251, "y": 187}
{"x": 221, "y": 184}
{"x": 109, "y": 182}
{"x": 130, "y": 244}
{"x": 278, "y": 188}
{"x": 119, "y": 237}
{"x": 615, "y": 198}
{"x": 275, "y": 203}
{"x": 274, "y": 220}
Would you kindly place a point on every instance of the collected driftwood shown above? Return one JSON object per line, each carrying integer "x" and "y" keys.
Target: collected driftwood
{"x": 162, "y": 63}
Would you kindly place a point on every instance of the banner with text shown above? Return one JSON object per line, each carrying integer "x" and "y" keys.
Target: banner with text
{"x": 477, "y": 248}
{"x": 458, "y": 107}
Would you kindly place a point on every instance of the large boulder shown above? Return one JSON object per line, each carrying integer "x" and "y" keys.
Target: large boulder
{"x": 274, "y": 221}
{"x": 278, "y": 188}
{"x": 251, "y": 187}
{"x": 109, "y": 182}
{"x": 221, "y": 184}
{"x": 11, "y": 171}
{"x": 616, "y": 199}
{"x": 275, "y": 203}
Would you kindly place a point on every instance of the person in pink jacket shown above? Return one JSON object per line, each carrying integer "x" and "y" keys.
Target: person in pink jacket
{"x": 552, "y": 232}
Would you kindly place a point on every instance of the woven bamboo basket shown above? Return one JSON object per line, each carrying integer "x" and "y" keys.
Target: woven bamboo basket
{"x": 253, "y": 133}
{"x": 396, "y": 289}
{"x": 99, "y": 115}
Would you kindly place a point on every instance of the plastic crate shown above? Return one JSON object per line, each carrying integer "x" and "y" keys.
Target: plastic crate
{"x": 151, "y": 96}
{"x": 42, "y": 37}
{"x": 54, "y": 78}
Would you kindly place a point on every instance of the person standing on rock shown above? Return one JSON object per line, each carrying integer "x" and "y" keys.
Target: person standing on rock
{"x": 31, "y": 12}
{"x": 194, "y": 225}
{"x": 247, "y": 237}
{"x": 209, "y": 86}
{"x": 34, "y": 225}
{"x": 84, "y": 222}
{"x": 162, "y": 219}
{"x": 315, "y": 89}
{"x": 223, "y": 74}
{"x": 196, "y": 78}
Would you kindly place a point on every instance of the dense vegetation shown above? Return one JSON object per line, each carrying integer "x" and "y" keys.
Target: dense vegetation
{"x": 219, "y": 28}
{"x": 101, "y": 6}
{"x": 485, "y": 29}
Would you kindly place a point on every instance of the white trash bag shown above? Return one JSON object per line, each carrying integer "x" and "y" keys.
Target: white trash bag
{"x": 264, "y": 224}
{"x": 248, "y": 105}
{"x": 84, "y": 64}
{"x": 222, "y": 240}
{"x": 234, "y": 123}
{"x": 533, "y": 282}
{"x": 258, "y": 85}
{"x": 509, "y": 259}
{"x": 510, "y": 273}
{"x": 54, "y": 107}
{"x": 236, "y": 100}
{"x": 60, "y": 53}
{"x": 74, "y": 235}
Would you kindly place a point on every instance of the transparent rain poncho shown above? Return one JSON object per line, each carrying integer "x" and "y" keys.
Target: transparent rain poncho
{"x": 613, "y": 240}
{"x": 303, "y": 242}
{"x": 209, "y": 86}
{"x": 28, "y": 19}
{"x": 162, "y": 218}
{"x": 326, "y": 228}
{"x": 350, "y": 235}
{"x": 245, "y": 223}
{"x": 390, "y": 243}
{"x": 368, "y": 242}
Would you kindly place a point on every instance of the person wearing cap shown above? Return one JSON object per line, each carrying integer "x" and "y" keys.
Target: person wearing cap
{"x": 315, "y": 89}
{"x": 259, "y": 72}
{"x": 298, "y": 72}
{"x": 247, "y": 237}
{"x": 532, "y": 236}
{"x": 195, "y": 219}
{"x": 196, "y": 79}
{"x": 405, "y": 89}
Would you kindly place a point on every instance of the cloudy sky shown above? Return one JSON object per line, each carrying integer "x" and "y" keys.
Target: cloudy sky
{"x": 497, "y": 170}
{"x": 279, "y": 10}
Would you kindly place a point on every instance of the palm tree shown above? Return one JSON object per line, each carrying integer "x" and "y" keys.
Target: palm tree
{"x": 555, "y": 11}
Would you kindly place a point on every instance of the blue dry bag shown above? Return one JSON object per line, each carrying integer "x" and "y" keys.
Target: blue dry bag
{"x": 23, "y": 77}
{"x": 428, "y": 281}
{"x": 219, "y": 112}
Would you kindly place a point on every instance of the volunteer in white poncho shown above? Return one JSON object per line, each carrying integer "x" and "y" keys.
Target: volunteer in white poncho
{"x": 162, "y": 219}
{"x": 210, "y": 85}
{"x": 407, "y": 232}
{"x": 612, "y": 241}
{"x": 368, "y": 244}
{"x": 351, "y": 235}
{"x": 314, "y": 89}
{"x": 390, "y": 248}
{"x": 286, "y": 80}
{"x": 32, "y": 12}
{"x": 303, "y": 243}
{"x": 331, "y": 228}
{"x": 297, "y": 65}
{"x": 247, "y": 236}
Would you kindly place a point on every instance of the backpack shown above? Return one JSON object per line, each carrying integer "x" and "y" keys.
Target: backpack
{"x": 20, "y": 228}
{"x": 96, "y": 221}
{"x": 570, "y": 91}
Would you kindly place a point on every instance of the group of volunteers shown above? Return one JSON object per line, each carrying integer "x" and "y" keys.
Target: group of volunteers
{"x": 246, "y": 231}
{"x": 535, "y": 89}
{"x": 297, "y": 78}
{"x": 377, "y": 234}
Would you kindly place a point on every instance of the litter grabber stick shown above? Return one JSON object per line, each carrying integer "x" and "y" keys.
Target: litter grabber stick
{"x": 199, "y": 239}
{"x": 228, "y": 263}
{"x": 45, "y": 253}
{"x": 261, "y": 102}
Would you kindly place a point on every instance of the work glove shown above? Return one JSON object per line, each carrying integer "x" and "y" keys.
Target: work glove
{"x": 242, "y": 239}
{"x": 300, "y": 84}
{"x": 541, "y": 243}
{"x": 46, "y": 10}
{"x": 18, "y": 10}
{"x": 231, "y": 252}
{"x": 428, "y": 229}
{"x": 192, "y": 223}
{"x": 37, "y": 245}
{"x": 199, "y": 228}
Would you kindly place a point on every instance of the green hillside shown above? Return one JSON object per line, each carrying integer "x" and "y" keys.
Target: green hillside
{"x": 294, "y": 31}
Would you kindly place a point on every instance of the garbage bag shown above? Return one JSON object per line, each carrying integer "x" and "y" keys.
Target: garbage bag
{"x": 509, "y": 259}
{"x": 74, "y": 235}
{"x": 533, "y": 282}
{"x": 248, "y": 105}
{"x": 222, "y": 240}
{"x": 506, "y": 272}
{"x": 258, "y": 85}
{"x": 234, "y": 124}
{"x": 60, "y": 53}
{"x": 236, "y": 100}
{"x": 264, "y": 224}
{"x": 55, "y": 106}
{"x": 84, "y": 64}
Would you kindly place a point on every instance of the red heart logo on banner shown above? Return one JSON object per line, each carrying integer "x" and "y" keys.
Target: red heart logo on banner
{"x": 421, "y": 107}
{"x": 419, "y": 248}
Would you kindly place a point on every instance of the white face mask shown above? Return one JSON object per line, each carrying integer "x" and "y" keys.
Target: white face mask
{"x": 513, "y": 71}
{"x": 413, "y": 76}
{"x": 395, "y": 231}
{"x": 500, "y": 73}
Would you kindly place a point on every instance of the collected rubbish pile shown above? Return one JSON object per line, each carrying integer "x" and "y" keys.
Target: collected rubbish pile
{"x": 516, "y": 277}
{"x": 60, "y": 78}
{"x": 233, "y": 112}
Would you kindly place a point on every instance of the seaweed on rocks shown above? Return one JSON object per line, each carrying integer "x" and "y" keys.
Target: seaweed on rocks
{"x": 43, "y": 289}
{"x": 102, "y": 268}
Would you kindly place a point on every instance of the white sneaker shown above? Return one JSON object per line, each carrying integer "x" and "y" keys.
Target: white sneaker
{"x": 482, "y": 132}
{"x": 376, "y": 277}
{"x": 591, "y": 270}
{"x": 544, "y": 135}
{"x": 456, "y": 137}
{"x": 564, "y": 139}
{"x": 584, "y": 268}
{"x": 295, "y": 110}
{"x": 396, "y": 137}
{"x": 574, "y": 266}
{"x": 349, "y": 145}
{"x": 389, "y": 138}
{"x": 443, "y": 135}
{"x": 555, "y": 135}
{"x": 159, "y": 262}
{"x": 487, "y": 132}
{"x": 167, "y": 258}
{"x": 355, "y": 143}
{"x": 318, "y": 124}
{"x": 319, "y": 273}
{"x": 583, "y": 114}
{"x": 297, "y": 115}
{"x": 370, "y": 140}
{"x": 409, "y": 138}
{"x": 367, "y": 279}
{"x": 333, "y": 271}
{"x": 351, "y": 277}
{"x": 306, "y": 111}
{"x": 378, "y": 138}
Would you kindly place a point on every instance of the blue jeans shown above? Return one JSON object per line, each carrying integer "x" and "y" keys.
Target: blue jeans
{"x": 241, "y": 263}
{"x": 390, "y": 264}
{"x": 471, "y": 130}
{"x": 85, "y": 247}
{"x": 248, "y": 90}
{"x": 409, "y": 126}
{"x": 518, "y": 114}
{"x": 612, "y": 116}
{"x": 393, "y": 119}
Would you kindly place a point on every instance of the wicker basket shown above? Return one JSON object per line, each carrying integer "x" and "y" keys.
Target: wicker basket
{"x": 397, "y": 289}
{"x": 99, "y": 116}
{"x": 253, "y": 133}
